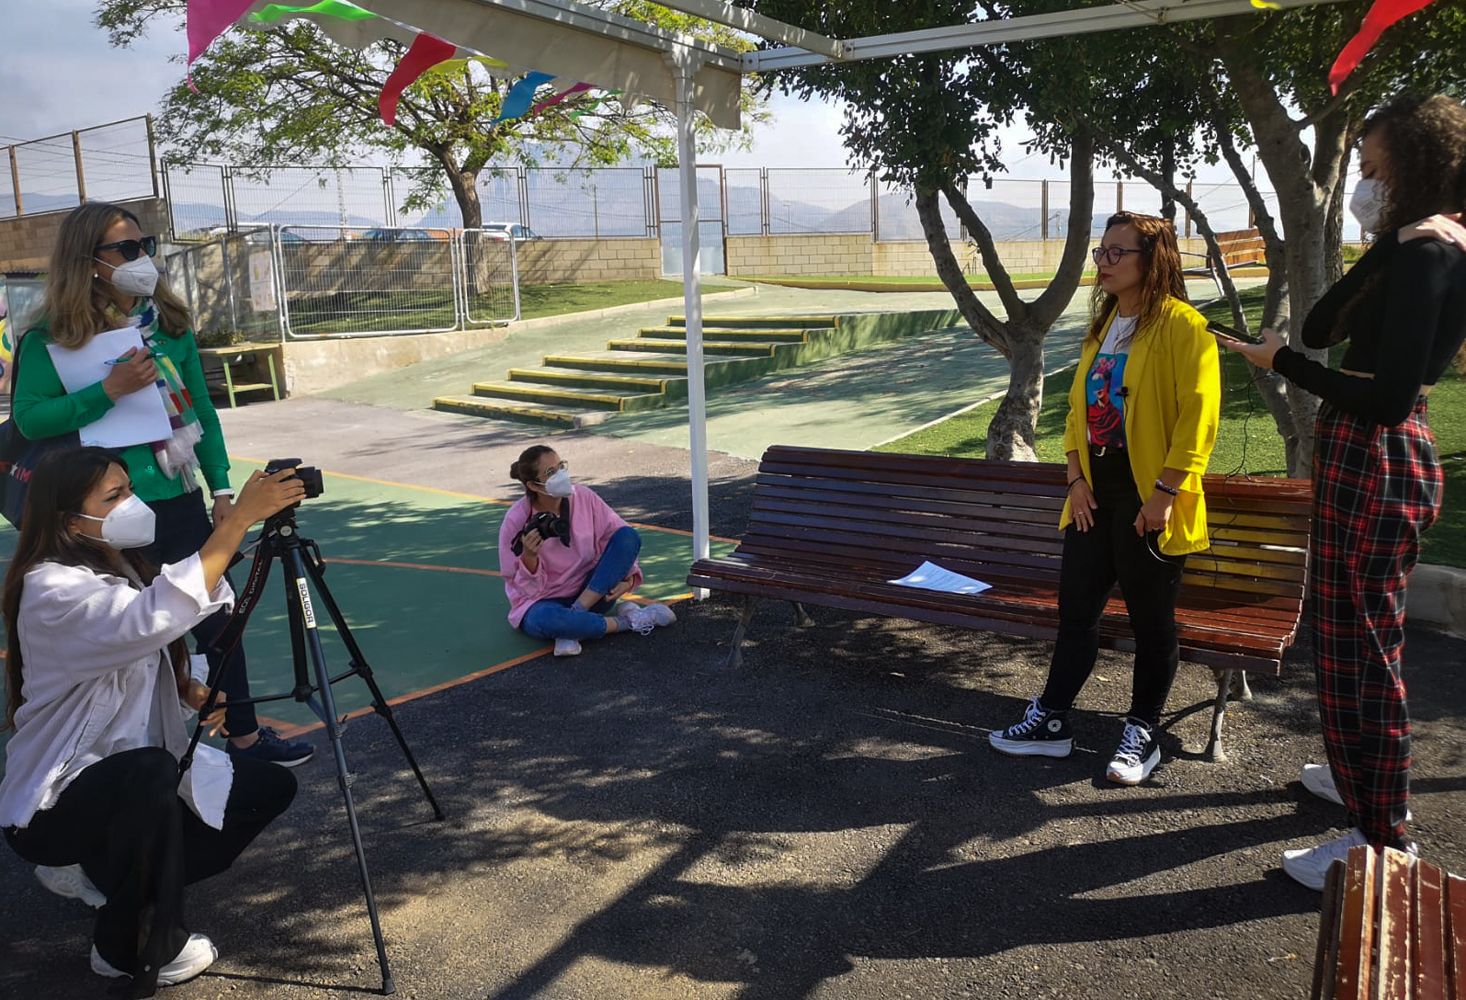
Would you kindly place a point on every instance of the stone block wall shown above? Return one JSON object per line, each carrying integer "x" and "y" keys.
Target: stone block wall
{"x": 547, "y": 262}
{"x": 26, "y": 241}
{"x": 837, "y": 254}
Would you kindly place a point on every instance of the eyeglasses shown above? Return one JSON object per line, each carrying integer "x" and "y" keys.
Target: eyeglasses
{"x": 562, "y": 467}
{"x": 131, "y": 249}
{"x": 1110, "y": 255}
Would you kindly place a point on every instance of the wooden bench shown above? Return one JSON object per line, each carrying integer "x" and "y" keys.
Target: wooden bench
{"x": 1392, "y": 928}
{"x": 1238, "y": 248}
{"x": 832, "y": 527}
{"x": 219, "y": 364}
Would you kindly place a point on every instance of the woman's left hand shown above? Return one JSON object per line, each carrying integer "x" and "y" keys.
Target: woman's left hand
{"x": 222, "y": 506}
{"x": 1260, "y": 355}
{"x": 620, "y": 588}
{"x": 1154, "y": 513}
{"x": 198, "y": 694}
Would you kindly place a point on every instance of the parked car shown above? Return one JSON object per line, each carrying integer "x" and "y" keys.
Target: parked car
{"x": 399, "y": 235}
{"x": 513, "y": 230}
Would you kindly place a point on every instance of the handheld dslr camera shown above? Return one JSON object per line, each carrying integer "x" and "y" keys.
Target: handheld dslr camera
{"x": 548, "y": 524}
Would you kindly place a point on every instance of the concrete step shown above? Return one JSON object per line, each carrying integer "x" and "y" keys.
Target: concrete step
{"x": 525, "y": 412}
{"x": 752, "y": 349}
{"x": 723, "y": 333}
{"x": 620, "y": 361}
{"x": 762, "y": 322}
{"x": 600, "y": 381}
{"x": 568, "y": 398}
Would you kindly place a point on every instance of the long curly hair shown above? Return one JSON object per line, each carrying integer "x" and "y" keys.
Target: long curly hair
{"x": 1161, "y": 273}
{"x": 1426, "y": 140}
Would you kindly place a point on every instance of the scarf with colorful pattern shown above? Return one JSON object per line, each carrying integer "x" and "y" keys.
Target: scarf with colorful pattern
{"x": 175, "y": 455}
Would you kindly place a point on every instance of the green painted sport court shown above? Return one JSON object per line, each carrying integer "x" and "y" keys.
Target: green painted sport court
{"x": 416, "y": 574}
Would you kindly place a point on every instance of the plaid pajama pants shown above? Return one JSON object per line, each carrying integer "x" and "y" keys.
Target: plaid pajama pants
{"x": 1376, "y": 489}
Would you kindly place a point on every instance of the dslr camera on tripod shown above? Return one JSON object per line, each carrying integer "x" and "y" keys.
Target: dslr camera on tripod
{"x": 309, "y": 476}
{"x": 547, "y": 523}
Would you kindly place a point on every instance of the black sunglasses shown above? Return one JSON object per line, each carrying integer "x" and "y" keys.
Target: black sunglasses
{"x": 1111, "y": 255}
{"x": 131, "y": 249}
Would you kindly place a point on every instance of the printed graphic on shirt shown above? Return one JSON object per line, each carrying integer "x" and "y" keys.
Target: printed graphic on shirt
{"x": 1106, "y": 401}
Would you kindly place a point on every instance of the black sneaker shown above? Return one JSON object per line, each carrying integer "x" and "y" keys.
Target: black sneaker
{"x": 1041, "y": 734}
{"x": 273, "y": 748}
{"x": 1136, "y": 756}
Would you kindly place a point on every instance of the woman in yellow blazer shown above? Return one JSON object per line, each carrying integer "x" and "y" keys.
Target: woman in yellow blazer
{"x": 1142, "y": 421}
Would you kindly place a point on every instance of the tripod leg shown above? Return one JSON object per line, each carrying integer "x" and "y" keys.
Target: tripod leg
{"x": 296, "y": 569}
{"x": 364, "y": 670}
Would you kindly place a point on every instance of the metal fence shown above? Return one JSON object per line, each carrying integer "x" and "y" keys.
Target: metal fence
{"x": 310, "y": 282}
{"x": 112, "y": 162}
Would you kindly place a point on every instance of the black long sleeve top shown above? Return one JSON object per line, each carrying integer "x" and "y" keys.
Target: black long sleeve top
{"x": 1404, "y": 332}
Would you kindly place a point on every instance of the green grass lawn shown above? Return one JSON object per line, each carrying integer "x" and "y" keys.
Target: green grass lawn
{"x": 895, "y": 281}
{"x": 1247, "y": 439}
{"x": 382, "y": 312}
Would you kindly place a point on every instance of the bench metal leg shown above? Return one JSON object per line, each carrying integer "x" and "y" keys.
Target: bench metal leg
{"x": 1240, "y": 689}
{"x": 1214, "y": 751}
{"x": 229, "y": 382}
{"x": 735, "y": 645}
{"x": 801, "y": 617}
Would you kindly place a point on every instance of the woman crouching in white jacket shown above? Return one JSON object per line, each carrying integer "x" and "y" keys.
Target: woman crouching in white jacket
{"x": 99, "y": 690}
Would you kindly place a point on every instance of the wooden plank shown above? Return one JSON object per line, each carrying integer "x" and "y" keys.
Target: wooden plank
{"x": 1326, "y": 955}
{"x": 1392, "y": 973}
{"x": 1456, "y": 933}
{"x": 1430, "y": 968}
{"x": 1356, "y": 927}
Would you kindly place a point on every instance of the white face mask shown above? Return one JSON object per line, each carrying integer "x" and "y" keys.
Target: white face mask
{"x": 1367, "y": 204}
{"x": 129, "y": 525}
{"x": 136, "y": 277}
{"x": 558, "y": 485}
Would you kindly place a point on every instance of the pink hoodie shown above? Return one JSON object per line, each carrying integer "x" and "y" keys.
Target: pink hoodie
{"x": 563, "y": 569}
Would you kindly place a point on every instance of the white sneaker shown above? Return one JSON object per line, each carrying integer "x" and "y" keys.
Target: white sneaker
{"x": 567, "y": 647}
{"x": 642, "y": 618}
{"x": 1136, "y": 756}
{"x": 196, "y": 955}
{"x": 72, "y": 883}
{"x": 1310, "y": 865}
{"x": 1319, "y": 779}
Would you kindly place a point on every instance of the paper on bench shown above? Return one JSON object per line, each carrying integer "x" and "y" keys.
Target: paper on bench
{"x": 930, "y": 576}
{"x": 137, "y": 418}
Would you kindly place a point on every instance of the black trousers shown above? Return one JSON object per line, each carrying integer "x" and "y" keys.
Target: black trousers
{"x": 121, "y": 819}
{"x": 183, "y": 527}
{"x": 1093, "y": 562}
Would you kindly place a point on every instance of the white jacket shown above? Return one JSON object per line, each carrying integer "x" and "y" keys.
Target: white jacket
{"x": 96, "y": 681}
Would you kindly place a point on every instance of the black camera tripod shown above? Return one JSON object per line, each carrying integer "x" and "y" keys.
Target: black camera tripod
{"x": 304, "y": 569}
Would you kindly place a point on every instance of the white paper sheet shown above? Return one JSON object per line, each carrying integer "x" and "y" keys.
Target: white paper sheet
{"x": 137, "y": 418}
{"x": 930, "y": 576}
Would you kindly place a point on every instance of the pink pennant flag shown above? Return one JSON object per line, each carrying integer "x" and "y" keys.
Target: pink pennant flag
{"x": 425, "y": 53}
{"x": 207, "y": 20}
{"x": 1380, "y": 16}
{"x": 550, "y": 102}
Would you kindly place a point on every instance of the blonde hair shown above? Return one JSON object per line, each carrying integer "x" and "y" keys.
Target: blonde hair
{"x": 1162, "y": 276}
{"x": 78, "y": 304}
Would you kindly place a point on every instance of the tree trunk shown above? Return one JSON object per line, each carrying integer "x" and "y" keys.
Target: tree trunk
{"x": 464, "y": 183}
{"x": 1012, "y": 430}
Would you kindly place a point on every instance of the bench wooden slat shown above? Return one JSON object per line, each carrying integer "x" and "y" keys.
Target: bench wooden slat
{"x": 1393, "y": 964}
{"x": 1356, "y": 927}
{"x": 1429, "y": 933}
{"x": 1456, "y": 918}
{"x": 1331, "y": 915}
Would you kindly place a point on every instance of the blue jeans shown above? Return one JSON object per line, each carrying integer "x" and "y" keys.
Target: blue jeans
{"x": 560, "y": 618}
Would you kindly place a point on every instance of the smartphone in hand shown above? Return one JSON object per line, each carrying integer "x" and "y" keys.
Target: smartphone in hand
{"x": 1231, "y": 333}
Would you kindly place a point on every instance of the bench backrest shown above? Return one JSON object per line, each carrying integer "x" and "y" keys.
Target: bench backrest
{"x": 998, "y": 520}
{"x": 1242, "y": 246}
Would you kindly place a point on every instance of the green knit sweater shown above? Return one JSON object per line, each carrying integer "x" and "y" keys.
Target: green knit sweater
{"x": 43, "y": 408}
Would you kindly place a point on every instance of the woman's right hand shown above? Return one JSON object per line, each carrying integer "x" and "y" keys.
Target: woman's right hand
{"x": 1446, "y": 228}
{"x": 264, "y": 495}
{"x": 530, "y": 543}
{"x": 1082, "y": 505}
{"x": 137, "y": 372}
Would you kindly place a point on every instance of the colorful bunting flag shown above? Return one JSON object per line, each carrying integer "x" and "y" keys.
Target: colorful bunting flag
{"x": 274, "y": 13}
{"x": 517, "y": 102}
{"x": 1380, "y": 16}
{"x": 424, "y": 53}
{"x": 206, "y": 20}
{"x": 579, "y": 88}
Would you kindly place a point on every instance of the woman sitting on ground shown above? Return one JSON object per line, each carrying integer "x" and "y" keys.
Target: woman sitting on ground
{"x": 1143, "y": 412}
{"x": 566, "y": 557}
{"x": 99, "y": 687}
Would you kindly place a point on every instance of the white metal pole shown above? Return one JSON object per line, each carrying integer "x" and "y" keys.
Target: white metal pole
{"x": 684, "y": 65}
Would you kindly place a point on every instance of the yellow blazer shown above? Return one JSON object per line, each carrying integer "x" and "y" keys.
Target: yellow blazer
{"x": 1173, "y": 399}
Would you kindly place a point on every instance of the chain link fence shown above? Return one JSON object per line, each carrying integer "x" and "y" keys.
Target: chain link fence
{"x": 112, "y": 162}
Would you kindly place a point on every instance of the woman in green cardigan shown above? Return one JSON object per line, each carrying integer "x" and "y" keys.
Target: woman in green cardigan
{"x": 1143, "y": 413}
{"x": 102, "y": 277}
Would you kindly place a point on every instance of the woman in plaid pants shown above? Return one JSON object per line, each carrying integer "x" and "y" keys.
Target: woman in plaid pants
{"x": 1377, "y": 483}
